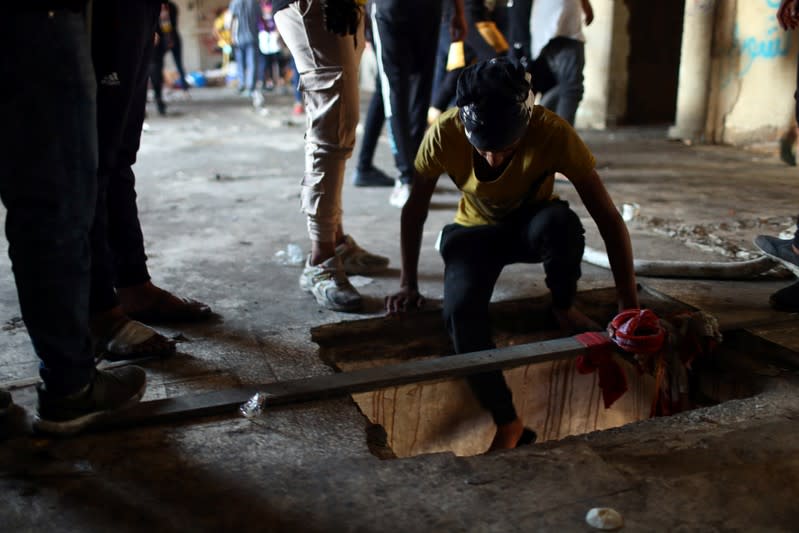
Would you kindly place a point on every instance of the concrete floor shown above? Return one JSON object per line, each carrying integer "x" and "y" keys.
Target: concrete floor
{"x": 218, "y": 197}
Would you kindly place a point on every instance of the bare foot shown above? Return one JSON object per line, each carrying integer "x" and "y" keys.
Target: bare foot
{"x": 117, "y": 337}
{"x": 507, "y": 436}
{"x": 139, "y": 297}
{"x": 572, "y": 321}
{"x": 153, "y": 305}
{"x": 104, "y": 323}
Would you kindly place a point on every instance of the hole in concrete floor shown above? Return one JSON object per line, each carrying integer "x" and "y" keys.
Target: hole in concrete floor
{"x": 551, "y": 397}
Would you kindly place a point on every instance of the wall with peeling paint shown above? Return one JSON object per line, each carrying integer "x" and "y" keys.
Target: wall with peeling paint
{"x": 753, "y": 74}
{"x": 619, "y": 76}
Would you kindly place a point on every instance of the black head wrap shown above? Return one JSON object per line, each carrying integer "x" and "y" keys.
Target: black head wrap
{"x": 495, "y": 103}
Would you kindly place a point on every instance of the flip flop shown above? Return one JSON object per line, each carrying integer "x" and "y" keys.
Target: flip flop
{"x": 170, "y": 308}
{"x": 133, "y": 340}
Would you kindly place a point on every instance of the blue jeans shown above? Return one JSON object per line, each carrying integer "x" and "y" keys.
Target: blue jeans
{"x": 48, "y": 184}
{"x": 295, "y": 81}
{"x": 248, "y": 59}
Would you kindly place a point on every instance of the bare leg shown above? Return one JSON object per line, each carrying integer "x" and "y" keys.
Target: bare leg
{"x": 507, "y": 436}
{"x": 322, "y": 251}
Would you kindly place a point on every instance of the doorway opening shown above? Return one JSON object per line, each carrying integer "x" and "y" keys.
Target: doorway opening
{"x": 655, "y": 32}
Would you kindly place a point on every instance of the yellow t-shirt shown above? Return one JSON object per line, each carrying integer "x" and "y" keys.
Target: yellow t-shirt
{"x": 550, "y": 145}
{"x": 222, "y": 31}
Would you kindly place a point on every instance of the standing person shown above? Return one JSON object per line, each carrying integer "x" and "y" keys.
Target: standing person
{"x": 48, "y": 183}
{"x": 246, "y": 15}
{"x": 366, "y": 174}
{"x": 122, "y": 295}
{"x": 558, "y": 53}
{"x": 501, "y": 151}
{"x": 518, "y": 28}
{"x": 483, "y": 41}
{"x": 269, "y": 46}
{"x": 406, "y": 37}
{"x": 221, "y": 32}
{"x": 326, "y": 40}
{"x": 786, "y": 250}
{"x": 167, "y": 40}
{"x": 170, "y": 40}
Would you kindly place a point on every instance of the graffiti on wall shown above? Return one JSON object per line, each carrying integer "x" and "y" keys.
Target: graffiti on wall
{"x": 767, "y": 44}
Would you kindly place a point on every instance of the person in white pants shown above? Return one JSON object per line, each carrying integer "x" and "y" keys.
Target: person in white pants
{"x": 327, "y": 52}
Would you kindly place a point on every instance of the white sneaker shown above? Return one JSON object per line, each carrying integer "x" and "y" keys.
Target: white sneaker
{"x": 356, "y": 260}
{"x": 257, "y": 99}
{"x": 400, "y": 194}
{"x": 329, "y": 285}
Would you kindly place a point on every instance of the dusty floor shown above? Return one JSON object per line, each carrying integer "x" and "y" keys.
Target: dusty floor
{"x": 218, "y": 199}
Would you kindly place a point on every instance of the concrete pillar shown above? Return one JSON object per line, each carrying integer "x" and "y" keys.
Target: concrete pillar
{"x": 593, "y": 110}
{"x": 695, "y": 63}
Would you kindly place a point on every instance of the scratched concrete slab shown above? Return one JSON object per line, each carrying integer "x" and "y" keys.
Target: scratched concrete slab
{"x": 218, "y": 198}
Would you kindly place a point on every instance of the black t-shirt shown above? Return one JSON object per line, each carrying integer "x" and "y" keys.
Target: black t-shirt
{"x": 47, "y": 5}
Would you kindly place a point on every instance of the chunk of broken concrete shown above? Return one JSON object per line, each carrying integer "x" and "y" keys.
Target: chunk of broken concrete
{"x": 604, "y": 518}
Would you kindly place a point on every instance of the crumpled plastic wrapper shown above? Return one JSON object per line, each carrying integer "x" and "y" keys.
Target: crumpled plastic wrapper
{"x": 254, "y": 406}
{"x": 292, "y": 255}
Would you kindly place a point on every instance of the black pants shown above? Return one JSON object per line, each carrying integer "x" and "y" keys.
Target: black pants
{"x": 375, "y": 118}
{"x": 177, "y": 57}
{"x": 157, "y": 78}
{"x": 518, "y": 26}
{"x": 122, "y": 48}
{"x": 157, "y": 67}
{"x": 406, "y": 34}
{"x": 475, "y": 256}
{"x": 47, "y": 183}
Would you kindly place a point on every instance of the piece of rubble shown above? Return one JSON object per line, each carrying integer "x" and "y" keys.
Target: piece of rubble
{"x": 604, "y": 518}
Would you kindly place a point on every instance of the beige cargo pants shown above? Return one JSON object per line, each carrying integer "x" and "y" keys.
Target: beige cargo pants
{"x": 328, "y": 67}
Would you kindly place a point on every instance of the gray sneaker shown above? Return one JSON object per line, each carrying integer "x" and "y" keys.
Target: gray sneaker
{"x": 330, "y": 286}
{"x": 356, "y": 260}
{"x": 109, "y": 391}
{"x": 779, "y": 249}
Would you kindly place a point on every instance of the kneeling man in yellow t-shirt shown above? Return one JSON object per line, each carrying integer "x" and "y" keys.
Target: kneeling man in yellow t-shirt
{"x": 502, "y": 152}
